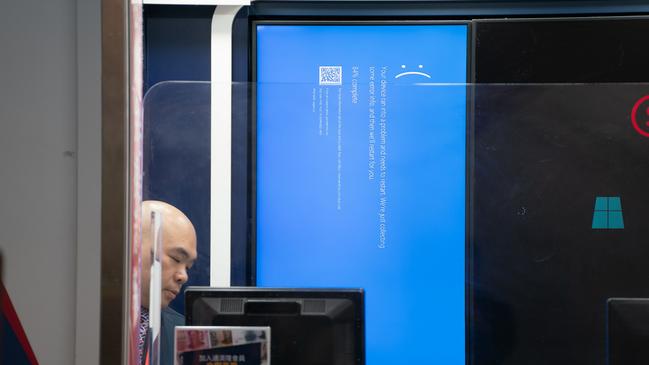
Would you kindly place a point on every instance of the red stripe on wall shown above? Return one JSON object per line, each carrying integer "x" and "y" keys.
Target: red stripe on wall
{"x": 9, "y": 313}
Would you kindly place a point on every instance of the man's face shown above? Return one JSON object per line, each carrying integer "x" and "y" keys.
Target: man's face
{"x": 178, "y": 251}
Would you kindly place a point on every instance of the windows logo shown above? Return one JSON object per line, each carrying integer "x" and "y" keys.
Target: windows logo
{"x": 608, "y": 213}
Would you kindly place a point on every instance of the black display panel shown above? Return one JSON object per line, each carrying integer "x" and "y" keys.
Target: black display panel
{"x": 559, "y": 197}
{"x": 627, "y": 331}
{"x": 587, "y": 50}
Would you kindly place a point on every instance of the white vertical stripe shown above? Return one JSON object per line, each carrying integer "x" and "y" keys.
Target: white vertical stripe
{"x": 221, "y": 142}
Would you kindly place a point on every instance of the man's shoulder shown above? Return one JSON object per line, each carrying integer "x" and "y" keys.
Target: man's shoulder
{"x": 169, "y": 319}
{"x": 172, "y": 317}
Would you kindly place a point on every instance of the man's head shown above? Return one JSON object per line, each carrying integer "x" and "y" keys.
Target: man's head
{"x": 178, "y": 250}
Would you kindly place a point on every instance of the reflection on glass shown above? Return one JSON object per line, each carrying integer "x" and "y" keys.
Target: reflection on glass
{"x": 177, "y": 161}
{"x": 553, "y": 177}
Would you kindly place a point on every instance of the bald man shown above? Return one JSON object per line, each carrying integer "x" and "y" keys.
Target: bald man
{"x": 177, "y": 256}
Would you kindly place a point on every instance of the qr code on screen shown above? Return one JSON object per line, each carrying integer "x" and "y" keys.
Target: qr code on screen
{"x": 331, "y": 75}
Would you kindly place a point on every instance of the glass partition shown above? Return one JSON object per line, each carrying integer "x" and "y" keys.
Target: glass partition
{"x": 177, "y": 161}
{"x": 486, "y": 223}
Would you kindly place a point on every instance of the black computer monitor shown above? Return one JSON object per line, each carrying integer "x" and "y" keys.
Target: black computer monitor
{"x": 627, "y": 331}
{"x": 307, "y": 326}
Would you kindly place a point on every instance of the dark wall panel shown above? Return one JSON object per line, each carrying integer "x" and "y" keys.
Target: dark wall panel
{"x": 177, "y": 123}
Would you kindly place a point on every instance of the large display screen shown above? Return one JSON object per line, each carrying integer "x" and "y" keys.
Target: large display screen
{"x": 557, "y": 148}
{"x": 361, "y": 139}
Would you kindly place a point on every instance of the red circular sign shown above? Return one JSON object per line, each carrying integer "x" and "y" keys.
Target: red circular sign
{"x": 641, "y": 124}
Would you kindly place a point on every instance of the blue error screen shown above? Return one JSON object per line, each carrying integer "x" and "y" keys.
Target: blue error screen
{"x": 360, "y": 176}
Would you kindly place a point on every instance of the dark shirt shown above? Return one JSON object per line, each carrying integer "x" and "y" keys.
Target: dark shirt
{"x": 170, "y": 319}
{"x": 168, "y": 322}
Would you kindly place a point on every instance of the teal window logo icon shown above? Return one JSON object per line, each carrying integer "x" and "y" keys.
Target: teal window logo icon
{"x": 608, "y": 213}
